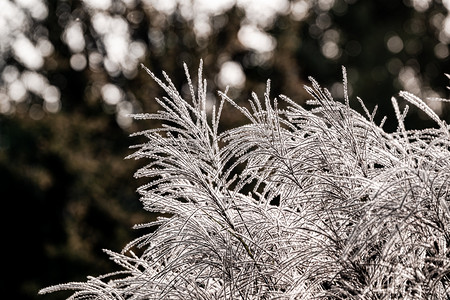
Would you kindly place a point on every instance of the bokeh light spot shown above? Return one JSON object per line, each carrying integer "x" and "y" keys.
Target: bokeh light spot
{"x": 27, "y": 53}
{"x": 255, "y": 39}
{"x": 394, "y": 44}
{"x": 17, "y": 91}
{"x": 441, "y": 51}
{"x": 78, "y": 62}
{"x": 326, "y": 5}
{"x": 10, "y": 74}
{"x": 124, "y": 109}
{"x": 231, "y": 74}
{"x": 51, "y": 94}
{"x": 300, "y": 10}
{"x": 95, "y": 61}
{"x": 98, "y": 4}
{"x": 73, "y": 36}
{"x": 37, "y": 8}
{"x": 111, "y": 94}
{"x": 331, "y": 50}
{"x": 45, "y": 47}
{"x": 421, "y": 5}
{"x": 34, "y": 82}
{"x": 167, "y": 6}
{"x": 52, "y": 107}
{"x": 36, "y": 112}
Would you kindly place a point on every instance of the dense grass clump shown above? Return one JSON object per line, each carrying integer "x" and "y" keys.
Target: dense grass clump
{"x": 297, "y": 204}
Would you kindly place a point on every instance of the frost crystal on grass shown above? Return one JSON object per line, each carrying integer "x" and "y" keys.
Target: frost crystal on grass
{"x": 296, "y": 204}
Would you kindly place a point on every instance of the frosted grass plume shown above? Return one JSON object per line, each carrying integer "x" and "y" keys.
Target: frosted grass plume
{"x": 296, "y": 204}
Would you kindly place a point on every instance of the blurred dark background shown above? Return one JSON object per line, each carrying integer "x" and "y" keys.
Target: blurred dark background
{"x": 70, "y": 74}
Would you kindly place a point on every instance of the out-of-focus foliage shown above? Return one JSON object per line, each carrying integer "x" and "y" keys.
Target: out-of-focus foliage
{"x": 70, "y": 75}
{"x": 386, "y": 45}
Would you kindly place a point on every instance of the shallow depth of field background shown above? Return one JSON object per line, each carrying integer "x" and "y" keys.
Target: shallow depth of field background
{"x": 70, "y": 75}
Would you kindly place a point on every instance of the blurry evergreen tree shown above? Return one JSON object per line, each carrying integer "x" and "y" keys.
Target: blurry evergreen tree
{"x": 70, "y": 74}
